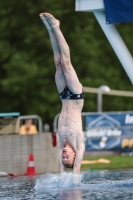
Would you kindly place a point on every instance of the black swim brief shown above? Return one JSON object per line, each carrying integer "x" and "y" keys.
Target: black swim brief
{"x": 67, "y": 94}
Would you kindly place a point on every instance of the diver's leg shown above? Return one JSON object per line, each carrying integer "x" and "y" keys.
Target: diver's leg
{"x": 68, "y": 70}
{"x": 59, "y": 76}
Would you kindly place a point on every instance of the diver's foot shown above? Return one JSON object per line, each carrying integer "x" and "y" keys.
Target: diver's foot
{"x": 45, "y": 21}
{"x": 54, "y": 23}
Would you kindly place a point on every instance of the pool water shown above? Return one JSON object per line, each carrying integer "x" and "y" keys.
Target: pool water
{"x": 99, "y": 185}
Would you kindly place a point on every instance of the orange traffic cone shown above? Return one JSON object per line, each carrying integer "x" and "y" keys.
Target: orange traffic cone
{"x": 31, "y": 167}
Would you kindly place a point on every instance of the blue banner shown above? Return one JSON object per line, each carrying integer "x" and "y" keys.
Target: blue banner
{"x": 118, "y": 11}
{"x": 109, "y": 131}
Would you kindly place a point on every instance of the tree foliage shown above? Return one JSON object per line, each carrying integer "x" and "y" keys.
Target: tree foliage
{"x": 26, "y": 58}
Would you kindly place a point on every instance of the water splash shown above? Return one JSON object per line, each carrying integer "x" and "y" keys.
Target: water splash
{"x": 53, "y": 186}
{"x": 53, "y": 181}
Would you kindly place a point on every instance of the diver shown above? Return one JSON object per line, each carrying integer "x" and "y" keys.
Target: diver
{"x": 71, "y": 137}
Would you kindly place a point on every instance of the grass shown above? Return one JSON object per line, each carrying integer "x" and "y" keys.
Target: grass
{"x": 117, "y": 162}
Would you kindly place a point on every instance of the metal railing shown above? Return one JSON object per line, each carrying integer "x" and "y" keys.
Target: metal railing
{"x": 83, "y": 114}
{"x": 33, "y": 117}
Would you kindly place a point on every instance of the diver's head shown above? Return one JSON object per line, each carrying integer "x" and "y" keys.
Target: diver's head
{"x": 68, "y": 156}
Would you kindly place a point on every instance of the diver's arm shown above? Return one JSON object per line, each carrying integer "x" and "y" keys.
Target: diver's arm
{"x": 78, "y": 159}
{"x": 62, "y": 167}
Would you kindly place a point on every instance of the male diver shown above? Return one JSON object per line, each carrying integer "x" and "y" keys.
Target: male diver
{"x": 71, "y": 138}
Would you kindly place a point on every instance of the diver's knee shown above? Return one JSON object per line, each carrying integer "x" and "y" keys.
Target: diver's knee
{"x": 65, "y": 61}
{"x": 57, "y": 63}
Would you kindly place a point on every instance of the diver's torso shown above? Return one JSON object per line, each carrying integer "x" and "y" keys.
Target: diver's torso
{"x": 70, "y": 123}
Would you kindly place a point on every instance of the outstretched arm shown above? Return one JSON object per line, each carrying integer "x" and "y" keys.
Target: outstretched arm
{"x": 62, "y": 167}
{"x": 78, "y": 159}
